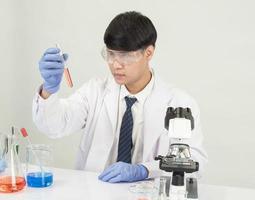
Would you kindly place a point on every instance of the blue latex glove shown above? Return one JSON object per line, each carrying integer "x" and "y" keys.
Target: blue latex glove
{"x": 2, "y": 165}
{"x": 124, "y": 172}
{"x": 51, "y": 67}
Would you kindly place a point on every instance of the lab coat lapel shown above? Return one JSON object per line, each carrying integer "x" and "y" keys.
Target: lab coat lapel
{"x": 154, "y": 115}
{"x": 112, "y": 103}
{"x": 103, "y": 143}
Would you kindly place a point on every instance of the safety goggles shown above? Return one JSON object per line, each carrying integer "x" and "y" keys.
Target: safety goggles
{"x": 123, "y": 57}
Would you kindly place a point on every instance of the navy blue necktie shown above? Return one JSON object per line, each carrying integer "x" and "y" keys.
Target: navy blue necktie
{"x": 125, "y": 138}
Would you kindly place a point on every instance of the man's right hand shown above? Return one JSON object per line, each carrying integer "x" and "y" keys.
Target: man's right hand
{"x": 51, "y": 67}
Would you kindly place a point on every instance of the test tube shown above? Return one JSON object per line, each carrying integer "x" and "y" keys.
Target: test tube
{"x": 66, "y": 72}
{"x": 25, "y": 135}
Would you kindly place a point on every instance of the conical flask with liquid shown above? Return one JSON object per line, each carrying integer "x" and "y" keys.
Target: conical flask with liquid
{"x": 11, "y": 178}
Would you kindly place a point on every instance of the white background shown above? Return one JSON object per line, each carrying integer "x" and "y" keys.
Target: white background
{"x": 204, "y": 47}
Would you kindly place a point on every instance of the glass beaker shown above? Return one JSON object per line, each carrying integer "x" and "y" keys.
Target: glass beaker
{"x": 38, "y": 165}
{"x": 11, "y": 177}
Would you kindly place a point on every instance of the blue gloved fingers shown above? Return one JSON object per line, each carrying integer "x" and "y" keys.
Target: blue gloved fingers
{"x": 116, "y": 179}
{"x": 53, "y": 57}
{"x": 43, "y": 66}
{"x": 53, "y": 50}
{"x": 52, "y": 72}
{"x": 110, "y": 175}
{"x": 120, "y": 172}
{"x": 51, "y": 67}
{"x": 53, "y": 81}
{"x": 106, "y": 171}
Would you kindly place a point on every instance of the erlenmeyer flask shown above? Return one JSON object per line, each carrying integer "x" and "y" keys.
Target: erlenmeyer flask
{"x": 11, "y": 178}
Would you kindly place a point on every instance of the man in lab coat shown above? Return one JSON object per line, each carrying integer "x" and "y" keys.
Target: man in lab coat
{"x": 121, "y": 116}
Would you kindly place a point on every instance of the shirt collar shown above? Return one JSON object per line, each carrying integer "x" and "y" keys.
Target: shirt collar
{"x": 140, "y": 96}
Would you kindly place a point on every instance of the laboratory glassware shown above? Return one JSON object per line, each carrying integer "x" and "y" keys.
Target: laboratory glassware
{"x": 11, "y": 178}
{"x": 38, "y": 165}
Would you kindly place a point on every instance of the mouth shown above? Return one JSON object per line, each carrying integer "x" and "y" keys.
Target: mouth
{"x": 118, "y": 75}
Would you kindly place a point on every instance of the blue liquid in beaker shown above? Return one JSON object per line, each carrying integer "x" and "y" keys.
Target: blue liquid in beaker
{"x": 39, "y": 179}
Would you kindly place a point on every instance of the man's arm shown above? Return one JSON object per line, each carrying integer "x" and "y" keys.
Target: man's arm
{"x": 57, "y": 117}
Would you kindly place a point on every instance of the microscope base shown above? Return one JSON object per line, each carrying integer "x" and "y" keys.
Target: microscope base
{"x": 190, "y": 188}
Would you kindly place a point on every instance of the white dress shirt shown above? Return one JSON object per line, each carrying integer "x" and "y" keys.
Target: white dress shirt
{"x": 137, "y": 113}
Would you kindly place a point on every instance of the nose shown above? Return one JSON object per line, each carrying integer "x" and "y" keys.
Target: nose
{"x": 116, "y": 64}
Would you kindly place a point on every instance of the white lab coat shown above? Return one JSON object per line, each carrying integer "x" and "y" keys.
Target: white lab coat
{"x": 94, "y": 109}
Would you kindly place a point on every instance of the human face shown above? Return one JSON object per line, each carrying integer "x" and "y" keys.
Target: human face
{"x": 129, "y": 68}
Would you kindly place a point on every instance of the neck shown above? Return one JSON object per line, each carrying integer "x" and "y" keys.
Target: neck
{"x": 139, "y": 85}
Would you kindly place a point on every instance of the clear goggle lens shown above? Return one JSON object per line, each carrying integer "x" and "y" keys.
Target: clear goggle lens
{"x": 123, "y": 57}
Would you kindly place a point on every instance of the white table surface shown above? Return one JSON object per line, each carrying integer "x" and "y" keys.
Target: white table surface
{"x": 74, "y": 184}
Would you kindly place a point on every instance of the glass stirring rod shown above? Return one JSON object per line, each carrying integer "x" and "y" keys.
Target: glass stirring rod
{"x": 66, "y": 72}
{"x": 25, "y": 135}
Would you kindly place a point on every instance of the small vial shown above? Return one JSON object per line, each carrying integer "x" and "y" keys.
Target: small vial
{"x": 162, "y": 189}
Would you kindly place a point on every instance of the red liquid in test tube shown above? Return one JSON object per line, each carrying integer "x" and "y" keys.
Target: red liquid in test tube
{"x": 66, "y": 72}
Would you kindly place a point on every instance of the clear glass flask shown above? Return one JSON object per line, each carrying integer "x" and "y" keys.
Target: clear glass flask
{"x": 11, "y": 175}
{"x": 38, "y": 165}
{"x": 2, "y": 151}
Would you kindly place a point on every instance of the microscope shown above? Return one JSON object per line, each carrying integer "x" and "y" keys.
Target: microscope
{"x": 179, "y": 122}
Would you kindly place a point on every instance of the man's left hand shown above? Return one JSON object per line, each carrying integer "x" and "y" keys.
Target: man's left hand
{"x": 124, "y": 172}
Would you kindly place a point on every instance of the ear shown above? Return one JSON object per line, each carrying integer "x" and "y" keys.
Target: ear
{"x": 149, "y": 51}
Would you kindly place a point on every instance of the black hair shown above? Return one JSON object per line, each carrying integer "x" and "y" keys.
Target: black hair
{"x": 130, "y": 31}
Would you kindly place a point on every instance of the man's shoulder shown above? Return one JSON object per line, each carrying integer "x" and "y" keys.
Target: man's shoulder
{"x": 169, "y": 88}
{"x": 175, "y": 95}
